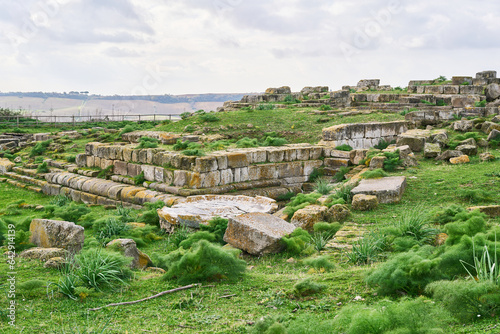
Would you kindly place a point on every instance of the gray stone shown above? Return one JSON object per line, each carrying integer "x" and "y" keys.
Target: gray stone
{"x": 43, "y": 254}
{"x": 280, "y": 90}
{"x": 377, "y": 162}
{"x": 492, "y": 92}
{"x": 305, "y": 218}
{"x": 432, "y": 150}
{"x": 257, "y": 233}
{"x": 387, "y": 189}
{"x": 494, "y": 135}
{"x": 337, "y": 213}
{"x": 128, "y": 248}
{"x": 447, "y": 155}
{"x": 467, "y": 149}
{"x": 496, "y": 119}
{"x": 54, "y": 233}
{"x": 362, "y": 202}
{"x": 463, "y": 126}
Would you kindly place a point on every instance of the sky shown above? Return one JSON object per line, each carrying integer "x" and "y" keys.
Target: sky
{"x": 154, "y": 47}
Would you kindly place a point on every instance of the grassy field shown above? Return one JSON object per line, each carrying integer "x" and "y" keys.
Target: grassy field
{"x": 267, "y": 287}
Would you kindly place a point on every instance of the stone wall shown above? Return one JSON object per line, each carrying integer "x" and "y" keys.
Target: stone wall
{"x": 363, "y": 135}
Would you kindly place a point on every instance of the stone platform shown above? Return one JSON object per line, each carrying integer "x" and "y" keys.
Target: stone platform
{"x": 387, "y": 189}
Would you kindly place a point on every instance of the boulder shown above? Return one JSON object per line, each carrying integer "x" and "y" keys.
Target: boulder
{"x": 416, "y": 143}
{"x": 447, "y": 155}
{"x": 387, "y": 189}
{"x": 470, "y": 141}
{"x": 363, "y": 202}
{"x": 357, "y": 155}
{"x": 463, "y": 126}
{"x": 128, "y": 248}
{"x": 492, "y": 92}
{"x": 463, "y": 159}
{"x": 377, "y": 162}
{"x": 494, "y": 135}
{"x": 486, "y": 156}
{"x": 55, "y": 263}
{"x": 6, "y": 165}
{"x": 55, "y": 233}
{"x": 257, "y": 233}
{"x": 337, "y": 213}
{"x": 280, "y": 90}
{"x": 306, "y": 218}
{"x": 43, "y": 254}
{"x": 432, "y": 150}
{"x": 467, "y": 149}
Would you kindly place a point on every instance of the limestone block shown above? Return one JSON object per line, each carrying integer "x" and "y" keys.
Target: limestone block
{"x": 257, "y": 233}
{"x": 43, "y": 254}
{"x": 180, "y": 178}
{"x": 416, "y": 143}
{"x": 494, "y": 135}
{"x": 81, "y": 160}
{"x": 59, "y": 234}
{"x": 451, "y": 89}
{"x": 150, "y": 153}
{"x": 226, "y": 177}
{"x": 362, "y": 202}
{"x": 114, "y": 192}
{"x": 311, "y": 165}
{"x": 91, "y": 148}
{"x": 262, "y": 172}
{"x": 463, "y": 126}
{"x": 128, "y": 193}
{"x": 486, "y": 156}
{"x": 211, "y": 179}
{"x": 306, "y": 218}
{"x": 149, "y": 172}
{"x": 471, "y": 90}
{"x": 447, "y": 155}
{"x": 492, "y": 92}
{"x": 135, "y": 155}
{"x": 143, "y": 156}
{"x": 336, "y": 162}
{"x": 275, "y": 154}
{"x": 315, "y": 152}
{"x": 6, "y": 165}
{"x": 290, "y": 169}
{"x": 120, "y": 167}
{"x": 467, "y": 149}
{"x": 377, "y": 162}
{"x": 241, "y": 174}
{"x": 330, "y": 152}
{"x": 168, "y": 176}
{"x": 128, "y": 248}
{"x": 133, "y": 169}
{"x": 337, "y": 213}
{"x": 105, "y": 163}
{"x": 459, "y": 80}
{"x": 237, "y": 160}
{"x": 90, "y": 162}
{"x": 258, "y": 155}
{"x": 88, "y": 198}
{"x": 357, "y": 155}
{"x": 432, "y": 150}
{"x": 433, "y": 90}
{"x": 159, "y": 174}
{"x": 205, "y": 164}
{"x": 492, "y": 211}
{"x": 387, "y": 189}
{"x": 127, "y": 154}
{"x": 463, "y": 159}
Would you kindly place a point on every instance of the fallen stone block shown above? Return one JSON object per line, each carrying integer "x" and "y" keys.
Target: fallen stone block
{"x": 494, "y": 135}
{"x": 337, "y": 213}
{"x": 43, "y": 254}
{"x": 387, "y": 189}
{"x": 463, "y": 126}
{"x": 362, "y": 202}
{"x": 447, "y": 155}
{"x": 305, "y": 218}
{"x": 432, "y": 150}
{"x": 257, "y": 233}
{"x": 6, "y": 165}
{"x": 54, "y": 233}
{"x": 467, "y": 149}
{"x": 128, "y": 248}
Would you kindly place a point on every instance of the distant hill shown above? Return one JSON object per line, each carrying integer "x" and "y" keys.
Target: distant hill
{"x": 81, "y": 103}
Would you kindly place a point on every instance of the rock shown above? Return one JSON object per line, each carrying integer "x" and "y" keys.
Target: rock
{"x": 387, "y": 189}
{"x": 280, "y": 90}
{"x": 363, "y": 202}
{"x": 432, "y": 150}
{"x": 492, "y": 92}
{"x": 486, "y": 156}
{"x": 496, "y": 119}
{"x": 155, "y": 270}
{"x": 470, "y": 141}
{"x": 54, "y": 233}
{"x": 494, "y": 135}
{"x": 291, "y": 260}
{"x": 463, "y": 159}
{"x": 306, "y": 218}
{"x": 43, "y": 254}
{"x": 18, "y": 160}
{"x": 338, "y": 213}
{"x": 482, "y": 143}
{"x": 6, "y": 165}
{"x": 415, "y": 143}
{"x": 55, "y": 263}
{"x": 129, "y": 248}
{"x": 377, "y": 162}
{"x": 447, "y": 155}
{"x": 463, "y": 126}
{"x": 257, "y": 233}
{"x": 39, "y": 208}
{"x": 492, "y": 211}
{"x": 440, "y": 239}
{"x": 467, "y": 149}
{"x": 196, "y": 210}
{"x": 440, "y": 138}
{"x": 357, "y": 155}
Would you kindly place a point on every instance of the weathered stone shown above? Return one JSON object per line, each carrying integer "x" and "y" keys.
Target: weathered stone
{"x": 486, "y": 156}
{"x": 362, "y": 202}
{"x": 467, "y": 149}
{"x": 432, "y": 150}
{"x": 280, "y": 90}
{"x": 492, "y": 92}
{"x": 55, "y": 263}
{"x": 196, "y": 210}
{"x": 6, "y": 165}
{"x": 377, "y": 162}
{"x": 120, "y": 167}
{"x": 357, "y": 155}
{"x": 53, "y": 233}
{"x": 306, "y": 218}
{"x": 387, "y": 189}
{"x": 43, "y": 254}
{"x": 463, "y": 159}
{"x": 237, "y": 160}
{"x": 494, "y": 135}
{"x": 463, "y": 126}
{"x": 338, "y": 213}
{"x": 459, "y": 80}
{"x": 206, "y": 164}
{"x": 129, "y": 248}
{"x": 447, "y": 155}
{"x": 415, "y": 142}
{"x": 257, "y": 233}
{"x": 492, "y": 211}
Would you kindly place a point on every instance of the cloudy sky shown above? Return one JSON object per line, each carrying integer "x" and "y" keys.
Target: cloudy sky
{"x": 222, "y": 46}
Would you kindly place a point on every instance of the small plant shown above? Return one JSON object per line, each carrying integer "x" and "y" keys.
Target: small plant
{"x": 71, "y": 212}
{"x": 486, "y": 267}
{"x": 316, "y": 173}
{"x": 340, "y": 175}
{"x": 344, "y": 147}
{"x": 139, "y": 179}
{"x": 185, "y": 115}
{"x": 427, "y": 102}
{"x": 285, "y": 197}
{"x": 382, "y": 145}
{"x": 289, "y": 99}
{"x": 209, "y": 118}
{"x": 265, "y": 106}
{"x": 40, "y": 148}
{"x": 106, "y": 172}
{"x": 323, "y": 186}
{"x": 194, "y": 152}
{"x": 247, "y": 143}
{"x": 343, "y": 193}
{"x": 297, "y": 242}
{"x": 147, "y": 142}
{"x": 392, "y": 161}
{"x": 71, "y": 158}
{"x": 300, "y": 201}
{"x": 480, "y": 104}
{"x": 325, "y": 107}
{"x": 440, "y": 79}
{"x": 308, "y": 287}
{"x": 374, "y": 174}
{"x": 128, "y": 128}
{"x": 319, "y": 240}
{"x": 108, "y": 228}
{"x": 43, "y": 168}
{"x": 273, "y": 141}
{"x": 366, "y": 250}
{"x": 320, "y": 263}
{"x": 440, "y": 103}
{"x": 413, "y": 224}
{"x": 465, "y": 83}
{"x": 475, "y": 196}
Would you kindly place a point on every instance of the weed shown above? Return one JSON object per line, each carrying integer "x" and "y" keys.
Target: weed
{"x": 321, "y": 263}
{"x": 106, "y": 172}
{"x": 366, "y": 250}
{"x": 108, "y": 228}
{"x": 289, "y": 99}
{"x": 374, "y": 174}
{"x": 185, "y": 115}
{"x": 316, "y": 173}
{"x": 297, "y": 242}
{"x": 480, "y": 104}
{"x": 340, "y": 175}
{"x": 300, "y": 201}
{"x": 40, "y": 148}
{"x": 147, "y": 142}
{"x": 344, "y": 147}
{"x": 325, "y": 107}
{"x": 247, "y": 143}
{"x": 273, "y": 141}
{"x": 194, "y": 152}
{"x": 139, "y": 179}
{"x": 308, "y": 287}
{"x": 319, "y": 240}
{"x": 209, "y": 118}
{"x": 265, "y": 106}
{"x": 323, "y": 186}
{"x": 43, "y": 168}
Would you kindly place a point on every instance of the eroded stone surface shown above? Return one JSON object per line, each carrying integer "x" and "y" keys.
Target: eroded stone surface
{"x": 129, "y": 248}
{"x": 305, "y": 218}
{"x": 387, "y": 189}
{"x": 43, "y": 254}
{"x": 196, "y": 210}
{"x": 257, "y": 233}
{"x": 364, "y": 202}
{"x": 54, "y": 233}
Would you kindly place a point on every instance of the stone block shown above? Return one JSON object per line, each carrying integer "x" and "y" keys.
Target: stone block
{"x": 362, "y": 202}
{"x": 492, "y": 211}
{"x": 262, "y": 172}
{"x": 226, "y": 177}
{"x": 377, "y": 162}
{"x": 356, "y": 156}
{"x": 206, "y": 164}
{"x": 494, "y": 135}
{"x": 237, "y": 160}
{"x": 336, "y": 162}
{"x": 311, "y": 165}
{"x": 492, "y": 92}
{"x": 463, "y": 126}
{"x": 387, "y": 189}
{"x": 463, "y": 159}
{"x": 6, "y": 165}
{"x": 88, "y": 198}
{"x": 257, "y": 233}
{"x": 275, "y": 154}
{"x": 180, "y": 178}
{"x": 128, "y": 248}
{"x": 211, "y": 179}
{"x": 306, "y": 218}
{"x": 127, "y": 154}
{"x": 460, "y": 80}
{"x": 290, "y": 169}
{"x": 432, "y": 150}
{"x": 451, "y": 89}
{"x": 433, "y": 90}
{"x": 57, "y": 234}
{"x": 467, "y": 149}
{"x": 120, "y": 167}
{"x": 149, "y": 172}
{"x": 241, "y": 174}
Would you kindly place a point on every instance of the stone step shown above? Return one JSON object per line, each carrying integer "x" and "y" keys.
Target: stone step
{"x": 23, "y": 185}
{"x": 26, "y": 179}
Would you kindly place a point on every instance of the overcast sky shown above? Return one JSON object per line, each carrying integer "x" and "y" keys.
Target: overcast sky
{"x": 132, "y": 47}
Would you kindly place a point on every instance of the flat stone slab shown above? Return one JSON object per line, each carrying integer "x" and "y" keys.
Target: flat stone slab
{"x": 387, "y": 189}
{"x": 257, "y": 233}
{"x": 196, "y": 210}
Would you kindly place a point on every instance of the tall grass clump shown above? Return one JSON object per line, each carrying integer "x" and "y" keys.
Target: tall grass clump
{"x": 40, "y": 148}
{"x": 147, "y": 142}
{"x": 323, "y": 186}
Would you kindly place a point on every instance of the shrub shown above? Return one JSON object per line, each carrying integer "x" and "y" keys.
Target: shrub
{"x": 316, "y": 173}
{"x": 330, "y": 228}
{"x": 322, "y": 186}
{"x": 139, "y": 179}
{"x": 109, "y": 228}
{"x": 444, "y": 216}
{"x": 209, "y": 118}
{"x": 147, "y": 142}
{"x": 217, "y": 226}
{"x": 247, "y": 143}
{"x": 297, "y": 242}
{"x": 392, "y": 161}
{"x": 106, "y": 172}
{"x": 465, "y": 223}
{"x": 185, "y": 115}
{"x": 413, "y": 224}
{"x": 374, "y": 174}
{"x": 265, "y": 106}
{"x": 3, "y": 231}
{"x": 286, "y": 197}
{"x": 308, "y": 287}
{"x": 71, "y": 212}
{"x": 195, "y": 237}
{"x": 344, "y": 147}
{"x": 467, "y": 300}
{"x": 273, "y": 141}
{"x": 344, "y": 193}
{"x": 290, "y": 99}
{"x": 194, "y": 152}
{"x": 71, "y": 158}
{"x": 340, "y": 175}
{"x": 43, "y": 168}
{"x": 218, "y": 145}
{"x": 128, "y": 128}
{"x": 325, "y": 107}
{"x": 203, "y": 262}
{"x": 180, "y": 145}
{"x": 319, "y": 263}
{"x": 100, "y": 269}
{"x": 40, "y": 148}
{"x": 475, "y": 196}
